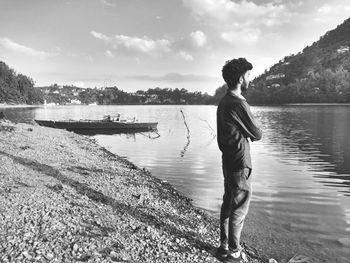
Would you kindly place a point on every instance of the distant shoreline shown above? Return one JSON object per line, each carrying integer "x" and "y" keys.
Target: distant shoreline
{"x": 19, "y": 106}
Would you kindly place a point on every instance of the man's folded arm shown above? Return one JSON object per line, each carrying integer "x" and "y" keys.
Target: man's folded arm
{"x": 247, "y": 123}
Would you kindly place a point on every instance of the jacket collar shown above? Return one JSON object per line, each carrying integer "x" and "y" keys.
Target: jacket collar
{"x": 230, "y": 93}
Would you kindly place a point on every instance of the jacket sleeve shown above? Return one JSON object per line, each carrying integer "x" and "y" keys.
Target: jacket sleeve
{"x": 243, "y": 116}
{"x": 233, "y": 133}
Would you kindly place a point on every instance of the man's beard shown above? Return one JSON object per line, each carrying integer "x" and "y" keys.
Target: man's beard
{"x": 244, "y": 86}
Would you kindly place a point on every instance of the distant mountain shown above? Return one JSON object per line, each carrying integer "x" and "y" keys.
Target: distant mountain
{"x": 320, "y": 73}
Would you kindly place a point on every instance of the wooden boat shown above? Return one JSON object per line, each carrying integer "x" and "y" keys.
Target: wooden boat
{"x": 109, "y": 124}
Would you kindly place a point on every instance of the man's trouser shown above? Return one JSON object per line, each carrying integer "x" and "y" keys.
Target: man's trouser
{"x": 235, "y": 205}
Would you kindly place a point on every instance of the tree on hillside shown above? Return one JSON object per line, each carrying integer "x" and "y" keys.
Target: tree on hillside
{"x": 17, "y": 88}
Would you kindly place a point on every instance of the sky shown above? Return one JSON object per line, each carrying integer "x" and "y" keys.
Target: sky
{"x": 142, "y": 44}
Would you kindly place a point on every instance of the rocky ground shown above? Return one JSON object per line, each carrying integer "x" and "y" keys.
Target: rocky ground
{"x": 63, "y": 198}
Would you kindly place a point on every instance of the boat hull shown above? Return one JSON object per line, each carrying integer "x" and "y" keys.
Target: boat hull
{"x": 100, "y": 126}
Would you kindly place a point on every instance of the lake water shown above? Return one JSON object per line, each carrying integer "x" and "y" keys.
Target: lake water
{"x": 301, "y": 168}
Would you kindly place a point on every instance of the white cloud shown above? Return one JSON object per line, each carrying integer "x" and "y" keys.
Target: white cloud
{"x": 107, "y": 3}
{"x": 230, "y": 11}
{"x": 144, "y": 44}
{"x": 109, "y": 54}
{"x": 247, "y": 36}
{"x": 328, "y": 14}
{"x": 13, "y": 46}
{"x": 325, "y": 9}
{"x": 239, "y": 20}
{"x": 199, "y": 38}
{"x": 185, "y": 55}
{"x": 135, "y": 44}
{"x": 99, "y": 36}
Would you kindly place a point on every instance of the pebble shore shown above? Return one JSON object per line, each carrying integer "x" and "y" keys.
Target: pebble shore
{"x": 63, "y": 198}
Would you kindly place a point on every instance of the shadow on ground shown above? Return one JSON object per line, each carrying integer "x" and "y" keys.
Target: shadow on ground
{"x": 120, "y": 208}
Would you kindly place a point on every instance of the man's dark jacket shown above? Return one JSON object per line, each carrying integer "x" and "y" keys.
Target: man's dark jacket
{"x": 235, "y": 124}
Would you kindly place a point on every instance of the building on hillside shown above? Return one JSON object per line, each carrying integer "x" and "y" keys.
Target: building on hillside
{"x": 74, "y": 101}
{"x": 276, "y": 76}
{"x": 343, "y": 49}
{"x": 275, "y": 85}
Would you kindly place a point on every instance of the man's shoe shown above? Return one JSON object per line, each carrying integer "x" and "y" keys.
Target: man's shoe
{"x": 236, "y": 257}
{"x": 221, "y": 252}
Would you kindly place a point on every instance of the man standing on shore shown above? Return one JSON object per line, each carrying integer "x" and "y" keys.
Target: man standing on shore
{"x": 235, "y": 126}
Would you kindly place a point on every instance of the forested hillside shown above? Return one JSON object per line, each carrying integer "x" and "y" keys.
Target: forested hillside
{"x": 68, "y": 94}
{"x": 320, "y": 73}
{"x": 17, "y": 88}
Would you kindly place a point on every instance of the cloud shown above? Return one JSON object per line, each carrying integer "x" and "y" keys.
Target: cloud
{"x": 135, "y": 44}
{"x": 325, "y": 9}
{"x": 230, "y": 11}
{"x": 13, "y": 46}
{"x": 109, "y": 54}
{"x": 185, "y": 55}
{"x": 328, "y": 14}
{"x": 234, "y": 20}
{"x": 107, "y": 3}
{"x": 100, "y": 36}
{"x": 264, "y": 14}
{"x": 247, "y": 36}
{"x": 199, "y": 38}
